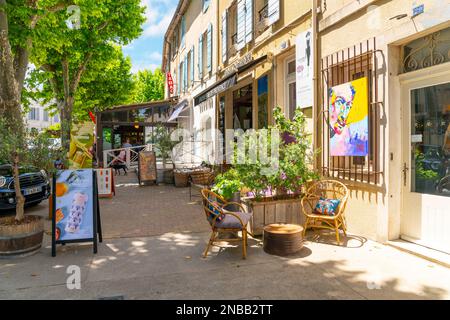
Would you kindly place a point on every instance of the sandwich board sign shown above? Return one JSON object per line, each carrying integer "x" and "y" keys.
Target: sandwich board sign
{"x": 76, "y": 211}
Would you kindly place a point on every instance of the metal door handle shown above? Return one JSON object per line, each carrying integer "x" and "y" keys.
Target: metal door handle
{"x": 405, "y": 173}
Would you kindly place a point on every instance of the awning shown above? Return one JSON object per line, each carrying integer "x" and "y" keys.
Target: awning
{"x": 216, "y": 89}
{"x": 178, "y": 109}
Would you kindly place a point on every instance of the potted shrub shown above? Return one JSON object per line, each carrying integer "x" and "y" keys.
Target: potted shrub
{"x": 164, "y": 146}
{"x": 22, "y": 235}
{"x": 276, "y": 194}
{"x": 228, "y": 185}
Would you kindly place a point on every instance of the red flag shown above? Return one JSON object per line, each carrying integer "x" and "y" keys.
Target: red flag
{"x": 91, "y": 115}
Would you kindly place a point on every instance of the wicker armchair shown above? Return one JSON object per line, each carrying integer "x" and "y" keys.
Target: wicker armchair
{"x": 215, "y": 206}
{"x": 328, "y": 189}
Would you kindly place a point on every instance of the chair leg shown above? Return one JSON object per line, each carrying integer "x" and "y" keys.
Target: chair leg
{"x": 210, "y": 242}
{"x": 337, "y": 232}
{"x": 344, "y": 226}
{"x": 244, "y": 244}
{"x": 305, "y": 227}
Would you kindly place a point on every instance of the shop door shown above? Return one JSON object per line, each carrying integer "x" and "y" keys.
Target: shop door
{"x": 425, "y": 216}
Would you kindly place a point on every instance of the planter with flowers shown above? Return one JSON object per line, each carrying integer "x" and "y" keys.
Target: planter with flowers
{"x": 276, "y": 189}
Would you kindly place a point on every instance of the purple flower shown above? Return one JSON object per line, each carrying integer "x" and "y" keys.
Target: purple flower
{"x": 283, "y": 176}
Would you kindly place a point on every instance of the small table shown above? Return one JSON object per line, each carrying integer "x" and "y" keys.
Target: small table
{"x": 283, "y": 239}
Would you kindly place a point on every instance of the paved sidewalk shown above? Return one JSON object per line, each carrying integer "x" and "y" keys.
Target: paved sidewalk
{"x": 152, "y": 250}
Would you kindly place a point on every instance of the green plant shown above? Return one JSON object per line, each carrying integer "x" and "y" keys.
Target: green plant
{"x": 421, "y": 171}
{"x": 24, "y": 148}
{"x": 295, "y": 158}
{"x": 227, "y": 184}
{"x": 164, "y": 143}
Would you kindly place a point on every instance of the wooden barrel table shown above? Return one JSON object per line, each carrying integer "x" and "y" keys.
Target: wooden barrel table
{"x": 283, "y": 239}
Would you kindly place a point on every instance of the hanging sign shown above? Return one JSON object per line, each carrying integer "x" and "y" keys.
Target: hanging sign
{"x": 305, "y": 69}
{"x": 76, "y": 212}
{"x": 170, "y": 82}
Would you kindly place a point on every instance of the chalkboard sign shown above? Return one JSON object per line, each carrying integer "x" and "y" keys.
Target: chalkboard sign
{"x": 147, "y": 167}
{"x": 76, "y": 211}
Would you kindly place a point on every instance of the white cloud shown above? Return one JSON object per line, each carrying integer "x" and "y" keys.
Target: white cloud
{"x": 159, "y": 14}
{"x": 156, "y": 56}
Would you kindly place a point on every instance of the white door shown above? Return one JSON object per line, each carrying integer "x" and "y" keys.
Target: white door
{"x": 426, "y": 155}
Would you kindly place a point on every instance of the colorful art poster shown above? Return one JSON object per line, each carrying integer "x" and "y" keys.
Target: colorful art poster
{"x": 81, "y": 153}
{"x": 304, "y": 69}
{"x": 74, "y": 204}
{"x": 349, "y": 119}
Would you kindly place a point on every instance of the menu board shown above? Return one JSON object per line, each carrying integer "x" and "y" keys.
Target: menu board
{"x": 76, "y": 215}
{"x": 105, "y": 182}
{"x": 147, "y": 166}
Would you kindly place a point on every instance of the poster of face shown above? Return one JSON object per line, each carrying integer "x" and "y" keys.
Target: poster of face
{"x": 349, "y": 119}
{"x": 305, "y": 69}
{"x": 81, "y": 151}
{"x": 74, "y": 205}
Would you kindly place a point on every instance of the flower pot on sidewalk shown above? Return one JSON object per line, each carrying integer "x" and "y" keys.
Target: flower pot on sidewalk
{"x": 270, "y": 210}
{"x": 20, "y": 240}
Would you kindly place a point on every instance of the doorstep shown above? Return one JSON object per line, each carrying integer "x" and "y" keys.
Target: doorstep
{"x": 435, "y": 256}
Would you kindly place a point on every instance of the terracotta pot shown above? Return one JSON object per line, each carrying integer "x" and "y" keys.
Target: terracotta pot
{"x": 21, "y": 240}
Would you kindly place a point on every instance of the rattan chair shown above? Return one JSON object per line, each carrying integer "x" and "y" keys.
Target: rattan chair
{"x": 329, "y": 189}
{"x": 214, "y": 205}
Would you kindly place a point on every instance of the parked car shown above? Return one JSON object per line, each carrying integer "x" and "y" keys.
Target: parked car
{"x": 34, "y": 183}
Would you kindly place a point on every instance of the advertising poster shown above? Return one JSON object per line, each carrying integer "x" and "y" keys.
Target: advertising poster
{"x": 349, "y": 119}
{"x": 105, "y": 182}
{"x": 147, "y": 166}
{"x": 81, "y": 153}
{"x": 304, "y": 69}
{"x": 74, "y": 205}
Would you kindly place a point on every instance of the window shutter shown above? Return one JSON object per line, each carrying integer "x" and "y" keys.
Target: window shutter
{"x": 185, "y": 64}
{"x": 224, "y": 36}
{"x": 192, "y": 66}
{"x": 183, "y": 31}
{"x": 179, "y": 77}
{"x": 209, "y": 48}
{"x": 274, "y": 11}
{"x": 248, "y": 21}
{"x": 200, "y": 57}
{"x": 241, "y": 24}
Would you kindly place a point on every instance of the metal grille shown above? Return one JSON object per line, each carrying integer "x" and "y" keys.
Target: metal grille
{"x": 341, "y": 67}
{"x": 29, "y": 180}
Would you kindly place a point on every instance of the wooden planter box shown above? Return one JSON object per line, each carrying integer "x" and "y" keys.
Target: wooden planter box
{"x": 270, "y": 211}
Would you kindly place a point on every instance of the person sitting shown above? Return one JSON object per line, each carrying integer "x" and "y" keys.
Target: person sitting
{"x": 120, "y": 163}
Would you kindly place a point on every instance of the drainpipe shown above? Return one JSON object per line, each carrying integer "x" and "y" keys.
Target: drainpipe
{"x": 316, "y": 82}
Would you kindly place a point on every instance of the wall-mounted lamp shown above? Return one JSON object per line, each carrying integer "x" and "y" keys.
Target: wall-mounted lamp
{"x": 399, "y": 16}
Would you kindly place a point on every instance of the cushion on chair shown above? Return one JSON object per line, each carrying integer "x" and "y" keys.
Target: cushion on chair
{"x": 327, "y": 206}
{"x": 231, "y": 222}
{"x": 215, "y": 212}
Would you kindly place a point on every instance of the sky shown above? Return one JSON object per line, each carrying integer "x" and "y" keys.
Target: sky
{"x": 146, "y": 51}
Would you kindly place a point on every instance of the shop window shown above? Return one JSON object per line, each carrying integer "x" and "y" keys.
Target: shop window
{"x": 291, "y": 88}
{"x": 242, "y": 108}
{"x": 350, "y": 129}
{"x": 263, "y": 102}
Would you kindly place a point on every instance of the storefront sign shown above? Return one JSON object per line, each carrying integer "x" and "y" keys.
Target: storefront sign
{"x": 81, "y": 152}
{"x": 305, "y": 69}
{"x": 76, "y": 215}
{"x": 220, "y": 87}
{"x": 147, "y": 167}
{"x": 238, "y": 64}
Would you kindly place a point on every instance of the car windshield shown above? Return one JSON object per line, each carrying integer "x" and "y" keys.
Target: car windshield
{"x": 6, "y": 170}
